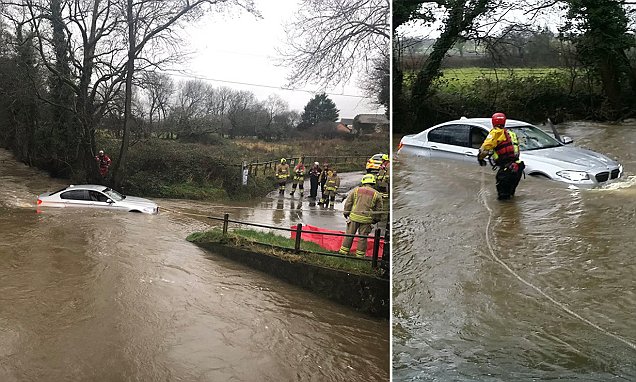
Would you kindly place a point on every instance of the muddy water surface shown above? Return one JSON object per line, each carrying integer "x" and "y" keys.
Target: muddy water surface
{"x": 540, "y": 288}
{"x": 94, "y": 295}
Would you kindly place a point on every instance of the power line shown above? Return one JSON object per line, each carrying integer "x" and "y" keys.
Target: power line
{"x": 199, "y": 77}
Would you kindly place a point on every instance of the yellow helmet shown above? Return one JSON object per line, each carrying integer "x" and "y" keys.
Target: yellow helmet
{"x": 385, "y": 156}
{"x": 283, "y": 160}
{"x": 368, "y": 179}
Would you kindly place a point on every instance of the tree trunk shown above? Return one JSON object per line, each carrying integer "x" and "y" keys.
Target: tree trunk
{"x": 120, "y": 168}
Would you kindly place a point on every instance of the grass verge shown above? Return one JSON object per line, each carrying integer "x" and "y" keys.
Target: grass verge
{"x": 276, "y": 245}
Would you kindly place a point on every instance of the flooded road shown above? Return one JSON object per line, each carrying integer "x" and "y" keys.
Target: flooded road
{"x": 539, "y": 288}
{"x": 96, "y": 295}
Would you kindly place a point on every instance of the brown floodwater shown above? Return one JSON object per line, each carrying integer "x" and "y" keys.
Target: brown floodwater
{"x": 91, "y": 295}
{"x": 540, "y": 288}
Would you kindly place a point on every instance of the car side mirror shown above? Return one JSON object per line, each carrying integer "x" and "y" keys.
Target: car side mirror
{"x": 566, "y": 140}
{"x": 109, "y": 201}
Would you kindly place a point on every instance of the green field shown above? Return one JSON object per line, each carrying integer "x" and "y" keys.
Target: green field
{"x": 456, "y": 78}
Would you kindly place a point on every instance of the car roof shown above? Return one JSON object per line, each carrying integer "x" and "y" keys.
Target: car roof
{"x": 487, "y": 122}
{"x": 95, "y": 187}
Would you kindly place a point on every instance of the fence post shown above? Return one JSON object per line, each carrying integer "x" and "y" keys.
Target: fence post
{"x": 386, "y": 250}
{"x": 376, "y": 248}
{"x": 226, "y": 217}
{"x": 299, "y": 232}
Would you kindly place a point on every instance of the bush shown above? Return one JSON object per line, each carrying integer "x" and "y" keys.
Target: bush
{"x": 524, "y": 96}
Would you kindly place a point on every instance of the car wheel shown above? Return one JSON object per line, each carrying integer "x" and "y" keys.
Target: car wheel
{"x": 539, "y": 175}
{"x": 135, "y": 211}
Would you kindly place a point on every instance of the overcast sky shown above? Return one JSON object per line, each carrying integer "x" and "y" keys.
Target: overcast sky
{"x": 239, "y": 51}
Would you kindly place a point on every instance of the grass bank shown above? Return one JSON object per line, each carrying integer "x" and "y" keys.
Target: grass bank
{"x": 282, "y": 247}
{"x": 174, "y": 169}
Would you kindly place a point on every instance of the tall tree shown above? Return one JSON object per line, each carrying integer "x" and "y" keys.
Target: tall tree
{"x": 459, "y": 18}
{"x": 153, "y": 21}
{"x": 599, "y": 30}
{"x": 109, "y": 43}
{"x": 319, "y": 109}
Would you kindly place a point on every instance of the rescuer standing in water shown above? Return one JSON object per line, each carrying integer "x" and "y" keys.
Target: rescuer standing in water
{"x": 502, "y": 146}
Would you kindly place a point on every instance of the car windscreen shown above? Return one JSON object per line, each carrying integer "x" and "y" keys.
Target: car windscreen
{"x": 533, "y": 138}
{"x": 116, "y": 196}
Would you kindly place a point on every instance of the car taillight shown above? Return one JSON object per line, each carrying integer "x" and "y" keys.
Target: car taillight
{"x": 39, "y": 202}
{"x": 400, "y": 145}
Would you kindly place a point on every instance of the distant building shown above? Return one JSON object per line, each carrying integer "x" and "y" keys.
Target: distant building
{"x": 343, "y": 128}
{"x": 346, "y": 121}
{"x": 370, "y": 123}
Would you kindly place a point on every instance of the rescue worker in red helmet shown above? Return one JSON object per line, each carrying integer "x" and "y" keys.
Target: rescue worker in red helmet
{"x": 502, "y": 146}
{"x": 103, "y": 162}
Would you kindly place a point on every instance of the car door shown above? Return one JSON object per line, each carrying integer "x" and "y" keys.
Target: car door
{"x": 450, "y": 142}
{"x": 76, "y": 198}
{"x": 99, "y": 200}
{"x": 477, "y": 137}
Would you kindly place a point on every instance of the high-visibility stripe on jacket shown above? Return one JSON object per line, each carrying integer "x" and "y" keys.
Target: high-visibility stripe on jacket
{"x": 282, "y": 171}
{"x": 299, "y": 172}
{"x": 361, "y": 204}
{"x": 332, "y": 184}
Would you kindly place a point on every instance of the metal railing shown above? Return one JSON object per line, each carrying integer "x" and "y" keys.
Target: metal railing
{"x": 377, "y": 237}
{"x": 308, "y": 160}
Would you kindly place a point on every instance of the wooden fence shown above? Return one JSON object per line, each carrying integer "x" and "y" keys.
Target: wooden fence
{"x": 270, "y": 166}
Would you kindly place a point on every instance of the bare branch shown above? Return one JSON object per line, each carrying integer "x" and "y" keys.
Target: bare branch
{"x": 331, "y": 40}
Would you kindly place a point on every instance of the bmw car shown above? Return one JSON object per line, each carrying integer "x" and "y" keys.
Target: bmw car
{"x": 543, "y": 155}
{"x": 96, "y": 196}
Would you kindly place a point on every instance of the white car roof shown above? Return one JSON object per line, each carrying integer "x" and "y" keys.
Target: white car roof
{"x": 95, "y": 187}
{"x": 487, "y": 122}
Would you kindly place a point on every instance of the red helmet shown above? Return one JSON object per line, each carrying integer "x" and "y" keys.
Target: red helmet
{"x": 499, "y": 119}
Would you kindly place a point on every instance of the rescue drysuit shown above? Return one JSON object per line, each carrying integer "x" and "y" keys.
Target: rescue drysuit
{"x": 104, "y": 163}
{"x": 504, "y": 146}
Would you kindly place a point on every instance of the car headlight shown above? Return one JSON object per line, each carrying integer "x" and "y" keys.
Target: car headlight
{"x": 620, "y": 169}
{"x": 575, "y": 176}
{"x": 150, "y": 210}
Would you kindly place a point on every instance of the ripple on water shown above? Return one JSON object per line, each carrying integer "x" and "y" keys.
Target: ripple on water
{"x": 459, "y": 315}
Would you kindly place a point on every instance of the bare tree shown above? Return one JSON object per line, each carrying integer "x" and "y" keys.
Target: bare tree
{"x": 107, "y": 42}
{"x": 330, "y": 40}
{"x": 159, "y": 89}
{"x": 151, "y": 24}
{"x": 194, "y": 112}
{"x": 273, "y": 106}
{"x": 241, "y": 102}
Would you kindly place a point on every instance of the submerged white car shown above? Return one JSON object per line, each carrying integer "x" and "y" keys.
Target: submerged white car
{"x": 542, "y": 154}
{"x": 96, "y": 196}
